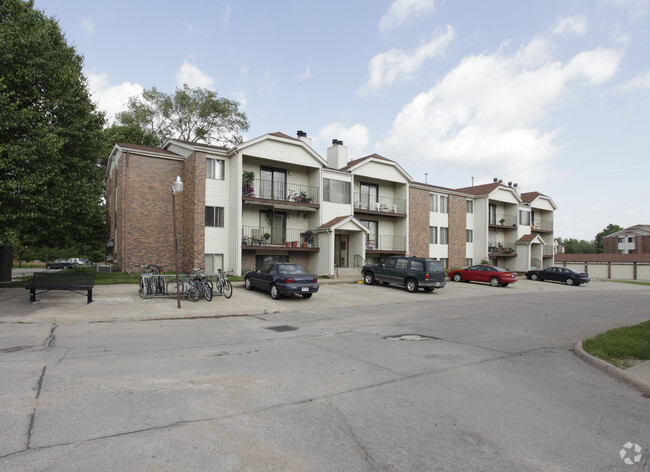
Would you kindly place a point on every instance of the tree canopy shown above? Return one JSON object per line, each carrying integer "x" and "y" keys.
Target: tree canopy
{"x": 190, "y": 114}
{"x": 51, "y": 139}
{"x": 611, "y": 228}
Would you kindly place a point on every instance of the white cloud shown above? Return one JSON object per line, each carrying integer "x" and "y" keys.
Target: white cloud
{"x": 356, "y": 138}
{"x": 112, "y": 99}
{"x": 88, "y": 26}
{"x": 484, "y": 114}
{"x": 226, "y": 16}
{"x": 306, "y": 74}
{"x": 572, "y": 25}
{"x": 639, "y": 82}
{"x": 396, "y": 65}
{"x": 401, "y": 10}
{"x": 193, "y": 76}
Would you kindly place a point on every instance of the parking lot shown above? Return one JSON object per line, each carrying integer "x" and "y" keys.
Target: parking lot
{"x": 358, "y": 377}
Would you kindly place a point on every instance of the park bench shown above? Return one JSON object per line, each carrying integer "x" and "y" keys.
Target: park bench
{"x": 46, "y": 281}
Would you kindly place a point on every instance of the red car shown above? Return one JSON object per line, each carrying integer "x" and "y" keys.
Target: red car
{"x": 495, "y": 276}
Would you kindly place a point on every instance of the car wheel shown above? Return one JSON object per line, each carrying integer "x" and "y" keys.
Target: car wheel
{"x": 495, "y": 282}
{"x": 275, "y": 293}
{"x": 369, "y": 278}
{"x": 247, "y": 284}
{"x": 534, "y": 277}
{"x": 505, "y": 285}
{"x": 458, "y": 278}
{"x": 569, "y": 281}
{"x": 412, "y": 285}
{"x": 428, "y": 289}
{"x": 306, "y": 295}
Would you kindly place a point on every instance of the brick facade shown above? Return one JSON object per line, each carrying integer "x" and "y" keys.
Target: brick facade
{"x": 418, "y": 222}
{"x": 457, "y": 231}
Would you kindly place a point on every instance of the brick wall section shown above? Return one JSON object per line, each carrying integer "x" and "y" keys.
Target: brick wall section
{"x": 643, "y": 244}
{"x": 457, "y": 231}
{"x": 248, "y": 261}
{"x": 149, "y": 225}
{"x": 610, "y": 245}
{"x": 419, "y": 222}
{"x": 193, "y": 212}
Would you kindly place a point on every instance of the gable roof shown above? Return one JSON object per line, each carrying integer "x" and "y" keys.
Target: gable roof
{"x": 639, "y": 230}
{"x": 341, "y": 220}
{"x": 484, "y": 189}
{"x": 529, "y": 238}
{"x": 148, "y": 149}
{"x": 356, "y": 163}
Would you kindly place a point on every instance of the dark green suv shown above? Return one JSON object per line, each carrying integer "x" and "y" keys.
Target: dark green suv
{"x": 411, "y": 272}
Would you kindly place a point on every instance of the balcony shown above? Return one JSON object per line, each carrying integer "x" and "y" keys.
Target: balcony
{"x": 271, "y": 237}
{"x": 386, "y": 243}
{"x": 365, "y": 203}
{"x": 502, "y": 249}
{"x": 268, "y": 190}
{"x": 503, "y": 221}
{"x": 542, "y": 226}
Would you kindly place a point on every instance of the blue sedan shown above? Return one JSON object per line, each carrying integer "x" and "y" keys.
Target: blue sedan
{"x": 281, "y": 279}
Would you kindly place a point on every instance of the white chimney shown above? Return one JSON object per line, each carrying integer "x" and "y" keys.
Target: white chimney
{"x": 304, "y": 138}
{"x": 337, "y": 155}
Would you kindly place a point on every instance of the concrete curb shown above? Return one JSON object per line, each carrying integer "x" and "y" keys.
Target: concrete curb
{"x": 609, "y": 369}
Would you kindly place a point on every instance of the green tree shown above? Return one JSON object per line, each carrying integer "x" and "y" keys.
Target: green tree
{"x": 574, "y": 246}
{"x": 611, "y": 228}
{"x": 51, "y": 139}
{"x": 190, "y": 114}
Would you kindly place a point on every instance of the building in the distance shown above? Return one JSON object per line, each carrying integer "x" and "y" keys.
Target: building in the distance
{"x": 274, "y": 198}
{"x": 632, "y": 240}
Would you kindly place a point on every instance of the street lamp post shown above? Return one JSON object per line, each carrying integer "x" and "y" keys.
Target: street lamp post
{"x": 176, "y": 187}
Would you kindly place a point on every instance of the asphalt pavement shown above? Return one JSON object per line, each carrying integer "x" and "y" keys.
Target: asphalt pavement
{"x": 122, "y": 302}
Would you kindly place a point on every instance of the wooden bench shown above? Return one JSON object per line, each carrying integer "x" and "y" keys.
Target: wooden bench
{"x": 46, "y": 281}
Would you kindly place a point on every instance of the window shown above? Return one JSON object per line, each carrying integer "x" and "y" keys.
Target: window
{"x": 401, "y": 263}
{"x": 214, "y": 216}
{"x": 433, "y": 203}
{"x": 444, "y": 204}
{"x": 213, "y": 262}
{"x": 273, "y": 183}
{"x": 469, "y": 235}
{"x": 524, "y": 218}
{"x": 390, "y": 263}
{"x": 214, "y": 169}
{"x": 630, "y": 239}
{"x": 417, "y": 265}
{"x": 263, "y": 261}
{"x": 445, "y": 262}
{"x": 369, "y": 195}
{"x": 336, "y": 191}
{"x": 433, "y": 235}
{"x": 621, "y": 239}
{"x": 469, "y": 262}
{"x": 470, "y": 206}
{"x": 444, "y": 235}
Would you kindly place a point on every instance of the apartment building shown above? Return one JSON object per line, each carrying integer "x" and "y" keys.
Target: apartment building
{"x": 631, "y": 240}
{"x": 274, "y": 198}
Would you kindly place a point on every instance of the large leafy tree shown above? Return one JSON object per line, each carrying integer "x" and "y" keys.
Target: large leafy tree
{"x": 611, "y": 228}
{"x": 51, "y": 139}
{"x": 190, "y": 114}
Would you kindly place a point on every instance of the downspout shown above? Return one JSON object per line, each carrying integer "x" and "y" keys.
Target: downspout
{"x": 126, "y": 206}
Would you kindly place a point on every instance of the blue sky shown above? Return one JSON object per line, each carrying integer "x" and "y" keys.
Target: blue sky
{"x": 553, "y": 95}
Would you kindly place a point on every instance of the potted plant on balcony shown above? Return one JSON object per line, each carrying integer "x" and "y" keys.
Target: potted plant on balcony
{"x": 266, "y": 237}
{"x": 502, "y": 221}
{"x": 307, "y": 237}
{"x": 248, "y": 177}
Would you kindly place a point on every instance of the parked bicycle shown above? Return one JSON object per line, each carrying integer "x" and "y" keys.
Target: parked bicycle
{"x": 223, "y": 285}
{"x": 152, "y": 281}
{"x": 200, "y": 286}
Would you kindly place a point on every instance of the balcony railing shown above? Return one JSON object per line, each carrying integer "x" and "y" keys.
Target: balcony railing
{"x": 271, "y": 190}
{"x": 365, "y": 201}
{"x": 542, "y": 225}
{"x": 386, "y": 242}
{"x": 501, "y": 219}
{"x": 278, "y": 236}
{"x": 502, "y": 249}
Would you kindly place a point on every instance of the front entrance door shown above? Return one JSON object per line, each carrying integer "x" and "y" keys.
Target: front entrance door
{"x": 341, "y": 244}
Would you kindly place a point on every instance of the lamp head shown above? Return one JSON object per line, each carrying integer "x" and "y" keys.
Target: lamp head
{"x": 178, "y": 185}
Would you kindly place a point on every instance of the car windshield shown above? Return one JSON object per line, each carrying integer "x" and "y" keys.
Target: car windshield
{"x": 290, "y": 269}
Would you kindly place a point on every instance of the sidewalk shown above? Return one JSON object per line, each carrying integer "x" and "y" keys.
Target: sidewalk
{"x": 122, "y": 302}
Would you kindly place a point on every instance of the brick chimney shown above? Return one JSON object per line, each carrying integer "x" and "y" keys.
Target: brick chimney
{"x": 337, "y": 155}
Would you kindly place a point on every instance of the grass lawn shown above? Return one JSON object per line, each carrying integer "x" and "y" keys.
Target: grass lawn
{"x": 622, "y": 347}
